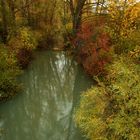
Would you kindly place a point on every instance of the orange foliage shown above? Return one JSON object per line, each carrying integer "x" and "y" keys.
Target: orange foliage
{"x": 93, "y": 46}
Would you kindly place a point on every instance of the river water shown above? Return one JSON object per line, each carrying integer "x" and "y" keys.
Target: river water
{"x": 44, "y": 110}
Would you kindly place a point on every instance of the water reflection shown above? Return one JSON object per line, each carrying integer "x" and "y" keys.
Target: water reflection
{"x": 53, "y": 84}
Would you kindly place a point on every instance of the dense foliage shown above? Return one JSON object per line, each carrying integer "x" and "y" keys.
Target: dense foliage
{"x": 22, "y": 45}
{"x": 105, "y": 38}
{"x": 8, "y": 73}
{"x": 94, "y": 47}
{"x": 123, "y": 24}
{"x": 111, "y": 110}
{"x": 25, "y": 25}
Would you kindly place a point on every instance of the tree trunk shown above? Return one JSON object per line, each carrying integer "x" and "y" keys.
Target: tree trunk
{"x": 4, "y": 21}
{"x": 76, "y": 8}
{"x": 12, "y": 10}
{"x": 28, "y": 12}
{"x": 12, "y": 16}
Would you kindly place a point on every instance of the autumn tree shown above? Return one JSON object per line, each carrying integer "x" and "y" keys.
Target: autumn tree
{"x": 123, "y": 17}
{"x": 76, "y": 7}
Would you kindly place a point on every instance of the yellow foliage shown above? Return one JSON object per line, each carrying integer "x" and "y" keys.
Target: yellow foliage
{"x": 123, "y": 16}
{"x": 135, "y": 53}
{"x": 25, "y": 39}
{"x": 110, "y": 110}
{"x": 69, "y": 27}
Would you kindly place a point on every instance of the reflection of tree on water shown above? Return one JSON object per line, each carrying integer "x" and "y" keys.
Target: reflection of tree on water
{"x": 52, "y": 88}
{"x": 79, "y": 86}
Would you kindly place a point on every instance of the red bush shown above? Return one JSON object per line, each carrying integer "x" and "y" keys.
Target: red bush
{"x": 93, "y": 46}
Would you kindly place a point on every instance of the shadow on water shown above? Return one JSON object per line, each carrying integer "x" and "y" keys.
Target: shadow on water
{"x": 52, "y": 87}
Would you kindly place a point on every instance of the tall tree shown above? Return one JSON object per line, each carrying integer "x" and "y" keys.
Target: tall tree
{"x": 76, "y": 7}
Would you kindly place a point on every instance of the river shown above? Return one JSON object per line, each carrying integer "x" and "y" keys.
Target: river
{"x": 44, "y": 110}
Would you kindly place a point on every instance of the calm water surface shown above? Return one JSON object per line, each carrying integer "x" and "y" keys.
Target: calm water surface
{"x": 44, "y": 111}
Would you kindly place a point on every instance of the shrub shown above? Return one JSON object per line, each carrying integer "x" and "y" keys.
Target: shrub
{"x": 8, "y": 74}
{"x": 50, "y": 36}
{"x": 24, "y": 39}
{"x": 94, "y": 51}
{"x": 23, "y": 45}
{"x": 111, "y": 109}
{"x": 123, "y": 23}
